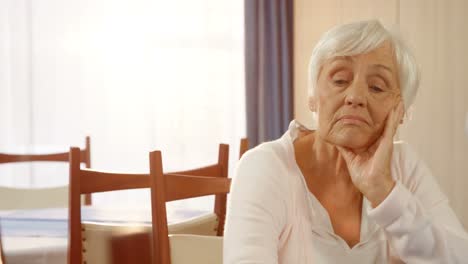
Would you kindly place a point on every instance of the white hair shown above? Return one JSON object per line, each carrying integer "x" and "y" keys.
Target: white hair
{"x": 359, "y": 38}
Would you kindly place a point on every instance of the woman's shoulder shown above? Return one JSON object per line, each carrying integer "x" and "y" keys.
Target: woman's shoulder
{"x": 268, "y": 163}
{"x": 273, "y": 154}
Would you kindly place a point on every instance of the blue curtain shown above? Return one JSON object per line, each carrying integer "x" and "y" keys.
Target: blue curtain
{"x": 269, "y": 68}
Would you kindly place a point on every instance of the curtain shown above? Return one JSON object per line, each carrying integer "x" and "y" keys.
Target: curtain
{"x": 268, "y": 68}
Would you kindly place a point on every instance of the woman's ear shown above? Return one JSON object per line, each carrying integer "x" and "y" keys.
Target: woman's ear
{"x": 312, "y": 103}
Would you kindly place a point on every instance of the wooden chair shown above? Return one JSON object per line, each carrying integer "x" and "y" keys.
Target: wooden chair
{"x": 86, "y": 181}
{"x": 41, "y": 197}
{"x": 244, "y": 146}
{"x": 130, "y": 248}
{"x": 82, "y": 234}
{"x": 176, "y": 186}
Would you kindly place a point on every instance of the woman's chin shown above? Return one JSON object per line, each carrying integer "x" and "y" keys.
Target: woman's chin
{"x": 354, "y": 146}
{"x": 355, "y": 142}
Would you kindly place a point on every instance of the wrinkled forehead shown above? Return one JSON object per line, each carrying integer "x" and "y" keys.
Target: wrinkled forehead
{"x": 381, "y": 58}
{"x": 384, "y": 55}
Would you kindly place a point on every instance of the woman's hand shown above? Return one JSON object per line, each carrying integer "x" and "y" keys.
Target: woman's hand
{"x": 370, "y": 170}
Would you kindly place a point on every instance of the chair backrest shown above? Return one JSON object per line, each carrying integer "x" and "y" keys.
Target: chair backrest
{"x": 217, "y": 170}
{"x": 41, "y": 197}
{"x": 244, "y": 146}
{"x": 168, "y": 187}
{"x": 86, "y": 181}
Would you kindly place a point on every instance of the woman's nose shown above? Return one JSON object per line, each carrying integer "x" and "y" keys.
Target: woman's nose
{"x": 356, "y": 94}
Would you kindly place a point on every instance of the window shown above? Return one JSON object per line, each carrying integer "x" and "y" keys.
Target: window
{"x": 135, "y": 75}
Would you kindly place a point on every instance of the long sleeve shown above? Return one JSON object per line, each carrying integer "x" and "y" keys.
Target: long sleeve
{"x": 256, "y": 210}
{"x": 417, "y": 218}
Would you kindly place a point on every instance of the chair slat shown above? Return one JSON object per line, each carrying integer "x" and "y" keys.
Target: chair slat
{"x": 96, "y": 181}
{"x": 52, "y": 157}
{"x": 10, "y": 158}
{"x": 180, "y": 186}
{"x": 209, "y": 171}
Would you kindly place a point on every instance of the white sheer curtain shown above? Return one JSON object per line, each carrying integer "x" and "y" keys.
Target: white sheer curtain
{"x": 135, "y": 75}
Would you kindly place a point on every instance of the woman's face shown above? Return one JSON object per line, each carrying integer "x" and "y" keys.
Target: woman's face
{"x": 354, "y": 96}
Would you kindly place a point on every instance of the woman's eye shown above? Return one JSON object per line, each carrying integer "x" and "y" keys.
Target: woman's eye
{"x": 340, "y": 82}
{"x": 341, "y": 78}
{"x": 376, "y": 89}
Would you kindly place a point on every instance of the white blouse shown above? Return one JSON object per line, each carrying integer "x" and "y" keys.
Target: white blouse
{"x": 273, "y": 218}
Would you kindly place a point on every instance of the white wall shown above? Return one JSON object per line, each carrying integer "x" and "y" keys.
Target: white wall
{"x": 437, "y": 32}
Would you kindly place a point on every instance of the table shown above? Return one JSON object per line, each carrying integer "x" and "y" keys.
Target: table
{"x": 40, "y": 236}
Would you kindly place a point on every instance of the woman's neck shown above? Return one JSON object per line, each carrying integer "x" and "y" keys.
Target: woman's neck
{"x": 324, "y": 169}
{"x": 325, "y": 159}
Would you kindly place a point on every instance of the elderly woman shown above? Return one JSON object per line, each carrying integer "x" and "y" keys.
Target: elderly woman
{"x": 343, "y": 191}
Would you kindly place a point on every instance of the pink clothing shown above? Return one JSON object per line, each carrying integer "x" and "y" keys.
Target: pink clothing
{"x": 273, "y": 218}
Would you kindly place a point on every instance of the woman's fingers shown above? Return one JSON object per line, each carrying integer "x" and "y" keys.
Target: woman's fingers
{"x": 347, "y": 154}
{"x": 382, "y": 147}
{"x": 374, "y": 146}
{"x": 393, "y": 121}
